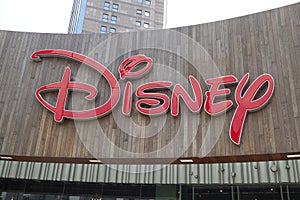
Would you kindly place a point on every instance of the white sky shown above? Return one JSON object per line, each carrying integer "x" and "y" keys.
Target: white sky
{"x": 53, "y": 16}
{"x": 202, "y": 11}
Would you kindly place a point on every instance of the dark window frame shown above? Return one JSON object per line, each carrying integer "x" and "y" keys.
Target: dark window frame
{"x": 105, "y": 17}
{"x": 112, "y": 19}
{"x": 138, "y": 23}
{"x": 105, "y": 7}
{"x": 102, "y": 29}
{"x": 111, "y": 28}
{"x": 139, "y": 11}
{"x": 115, "y": 7}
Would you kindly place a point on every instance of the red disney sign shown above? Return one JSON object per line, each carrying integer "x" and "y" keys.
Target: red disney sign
{"x": 157, "y": 103}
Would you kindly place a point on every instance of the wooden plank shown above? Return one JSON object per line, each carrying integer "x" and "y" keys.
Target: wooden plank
{"x": 267, "y": 42}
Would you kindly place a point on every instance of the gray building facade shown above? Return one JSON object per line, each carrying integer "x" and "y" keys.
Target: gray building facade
{"x": 110, "y": 16}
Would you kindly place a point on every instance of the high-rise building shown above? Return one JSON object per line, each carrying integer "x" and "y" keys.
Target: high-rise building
{"x": 109, "y": 16}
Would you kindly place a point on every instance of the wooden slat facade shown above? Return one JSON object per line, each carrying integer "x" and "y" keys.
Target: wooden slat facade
{"x": 267, "y": 42}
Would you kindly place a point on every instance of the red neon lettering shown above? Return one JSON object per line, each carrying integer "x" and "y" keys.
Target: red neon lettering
{"x": 151, "y": 103}
{"x": 153, "y": 99}
{"x": 247, "y": 102}
{"x": 63, "y": 87}
{"x": 59, "y": 111}
{"x": 179, "y": 91}
{"x": 127, "y": 66}
{"x": 219, "y": 107}
{"x": 127, "y": 99}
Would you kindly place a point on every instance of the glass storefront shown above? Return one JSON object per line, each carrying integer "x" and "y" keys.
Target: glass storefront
{"x": 42, "y": 190}
{"x": 241, "y": 192}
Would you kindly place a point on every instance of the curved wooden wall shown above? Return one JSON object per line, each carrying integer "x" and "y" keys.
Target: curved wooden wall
{"x": 264, "y": 42}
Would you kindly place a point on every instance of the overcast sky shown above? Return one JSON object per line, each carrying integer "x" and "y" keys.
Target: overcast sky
{"x": 53, "y": 16}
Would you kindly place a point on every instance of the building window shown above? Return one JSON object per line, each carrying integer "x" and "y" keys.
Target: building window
{"x": 140, "y": 1}
{"x": 103, "y": 29}
{"x": 139, "y": 12}
{"x": 147, "y": 2}
{"x": 106, "y": 5}
{"x": 113, "y": 19}
{"x": 137, "y": 23}
{"x": 146, "y": 25}
{"x": 147, "y": 13}
{"x": 112, "y": 30}
{"x": 105, "y": 17}
{"x": 115, "y": 7}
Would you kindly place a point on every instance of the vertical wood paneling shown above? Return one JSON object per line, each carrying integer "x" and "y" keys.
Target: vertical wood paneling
{"x": 266, "y": 42}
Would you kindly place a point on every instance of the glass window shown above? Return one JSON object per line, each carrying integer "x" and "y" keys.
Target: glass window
{"x": 113, "y": 19}
{"x": 146, "y": 25}
{"x": 103, "y": 29}
{"x": 112, "y": 30}
{"x": 147, "y": 13}
{"x": 115, "y": 7}
{"x": 294, "y": 191}
{"x": 138, "y": 11}
{"x": 147, "y": 2}
{"x": 106, "y": 5}
{"x": 137, "y": 23}
{"x": 140, "y": 1}
{"x": 105, "y": 17}
{"x": 260, "y": 192}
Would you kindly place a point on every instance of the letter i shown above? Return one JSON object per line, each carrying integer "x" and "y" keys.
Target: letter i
{"x": 62, "y": 95}
{"x": 127, "y": 99}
